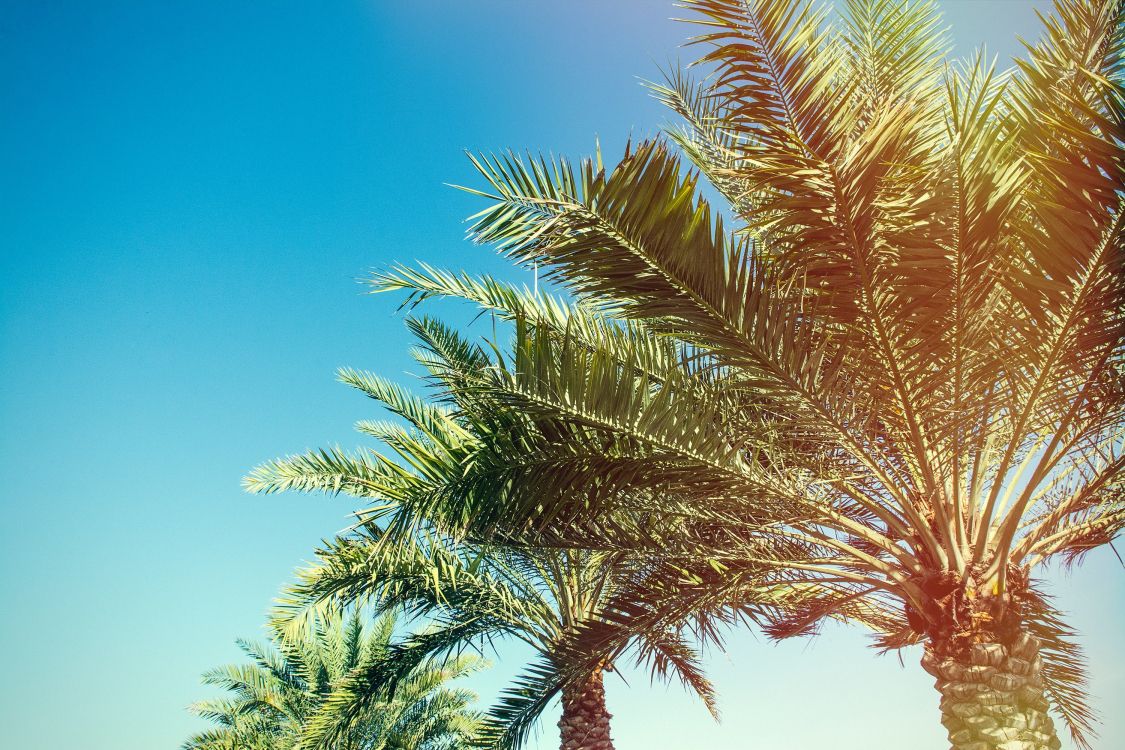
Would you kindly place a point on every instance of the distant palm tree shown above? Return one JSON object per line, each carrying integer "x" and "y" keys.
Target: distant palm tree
{"x": 580, "y": 610}
{"x": 299, "y": 684}
{"x": 919, "y": 326}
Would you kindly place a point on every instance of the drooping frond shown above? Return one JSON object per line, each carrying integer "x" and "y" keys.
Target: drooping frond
{"x": 888, "y": 394}
{"x": 921, "y": 317}
{"x": 512, "y": 719}
{"x": 1064, "y": 670}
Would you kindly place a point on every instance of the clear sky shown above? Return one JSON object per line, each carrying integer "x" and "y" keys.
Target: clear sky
{"x": 188, "y": 192}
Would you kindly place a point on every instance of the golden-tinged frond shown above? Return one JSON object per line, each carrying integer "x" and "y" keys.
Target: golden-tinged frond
{"x": 883, "y": 385}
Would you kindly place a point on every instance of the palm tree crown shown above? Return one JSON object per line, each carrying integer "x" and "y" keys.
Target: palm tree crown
{"x": 579, "y": 609}
{"x": 917, "y": 325}
{"x": 280, "y": 699}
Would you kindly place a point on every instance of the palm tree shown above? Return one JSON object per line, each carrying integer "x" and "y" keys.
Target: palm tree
{"x": 290, "y": 690}
{"x": 919, "y": 326}
{"x": 579, "y": 609}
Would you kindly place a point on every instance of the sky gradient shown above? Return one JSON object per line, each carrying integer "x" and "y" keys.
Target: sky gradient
{"x": 189, "y": 192}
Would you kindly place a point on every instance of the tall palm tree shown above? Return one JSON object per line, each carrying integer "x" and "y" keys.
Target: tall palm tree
{"x": 581, "y": 610}
{"x": 287, "y": 691}
{"x": 919, "y": 323}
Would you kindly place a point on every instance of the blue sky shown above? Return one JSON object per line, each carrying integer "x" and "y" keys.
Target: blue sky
{"x": 189, "y": 191}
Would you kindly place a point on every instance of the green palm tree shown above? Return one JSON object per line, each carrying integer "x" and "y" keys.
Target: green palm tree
{"x": 918, "y": 325}
{"x": 580, "y": 609}
{"x": 279, "y": 699}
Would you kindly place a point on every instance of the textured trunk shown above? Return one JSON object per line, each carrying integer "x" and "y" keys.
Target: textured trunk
{"x": 585, "y": 721}
{"x": 992, "y": 696}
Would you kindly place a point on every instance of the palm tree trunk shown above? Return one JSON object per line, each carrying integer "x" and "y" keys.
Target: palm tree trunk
{"x": 585, "y": 721}
{"x": 992, "y": 696}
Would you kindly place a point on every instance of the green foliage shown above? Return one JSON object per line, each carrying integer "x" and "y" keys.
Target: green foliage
{"x": 885, "y": 386}
{"x": 427, "y": 549}
{"x": 297, "y": 692}
{"x": 896, "y": 378}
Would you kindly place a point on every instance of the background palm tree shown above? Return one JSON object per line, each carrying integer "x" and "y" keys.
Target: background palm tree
{"x": 579, "y": 609}
{"x": 918, "y": 322}
{"x": 299, "y": 684}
